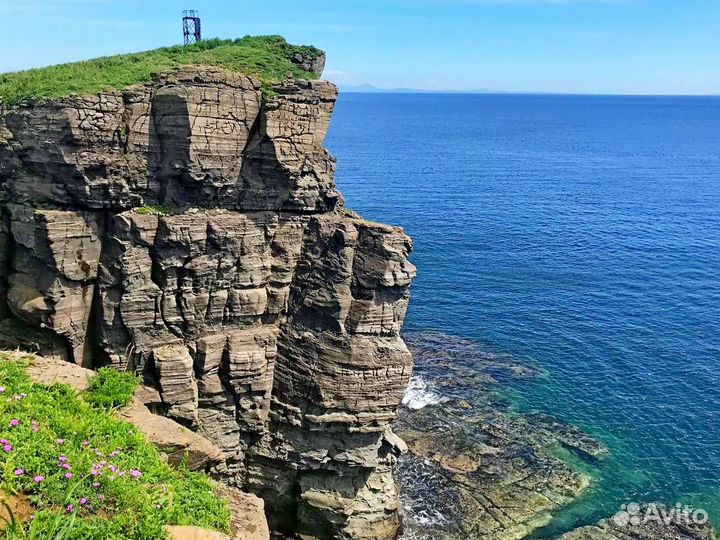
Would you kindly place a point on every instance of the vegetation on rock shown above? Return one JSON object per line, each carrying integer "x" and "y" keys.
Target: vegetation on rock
{"x": 87, "y": 474}
{"x": 156, "y": 210}
{"x": 269, "y": 58}
{"x": 110, "y": 388}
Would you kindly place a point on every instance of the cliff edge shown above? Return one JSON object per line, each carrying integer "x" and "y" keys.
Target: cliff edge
{"x": 189, "y": 228}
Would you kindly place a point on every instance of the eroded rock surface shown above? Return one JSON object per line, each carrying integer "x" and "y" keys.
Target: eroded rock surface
{"x": 189, "y": 229}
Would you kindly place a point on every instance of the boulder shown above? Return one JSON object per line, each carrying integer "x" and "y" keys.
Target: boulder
{"x": 188, "y": 532}
{"x": 247, "y": 514}
{"x": 14, "y": 507}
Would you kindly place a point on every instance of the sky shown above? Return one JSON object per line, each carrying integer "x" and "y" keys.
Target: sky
{"x": 568, "y": 46}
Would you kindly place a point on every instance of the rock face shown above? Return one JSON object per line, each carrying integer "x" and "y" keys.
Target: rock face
{"x": 190, "y": 229}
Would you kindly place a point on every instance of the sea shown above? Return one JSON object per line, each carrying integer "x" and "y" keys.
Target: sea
{"x": 579, "y": 234}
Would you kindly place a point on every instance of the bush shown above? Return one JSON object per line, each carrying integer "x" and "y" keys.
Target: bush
{"x": 156, "y": 210}
{"x": 110, "y": 388}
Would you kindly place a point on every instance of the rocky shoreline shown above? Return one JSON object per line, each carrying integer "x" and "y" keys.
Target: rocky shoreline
{"x": 476, "y": 469}
{"x": 645, "y": 522}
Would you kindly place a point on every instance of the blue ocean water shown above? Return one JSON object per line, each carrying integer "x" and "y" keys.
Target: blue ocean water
{"x": 581, "y": 233}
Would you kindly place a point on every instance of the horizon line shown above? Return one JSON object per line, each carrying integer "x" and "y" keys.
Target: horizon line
{"x": 370, "y": 89}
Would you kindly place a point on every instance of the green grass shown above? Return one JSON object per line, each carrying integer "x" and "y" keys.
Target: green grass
{"x": 110, "y": 388}
{"x": 156, "y": 210}
{"x": 120, "y": 488}
{"x": 265, "y": 57}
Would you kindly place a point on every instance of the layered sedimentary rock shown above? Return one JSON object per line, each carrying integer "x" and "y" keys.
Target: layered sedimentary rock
{"x": 189, "y": 229}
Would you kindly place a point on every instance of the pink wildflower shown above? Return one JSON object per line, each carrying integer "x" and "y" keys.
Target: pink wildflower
{"x": 2, "y": 389}
{"x": 68, "y": 475}
{"x": 60, "y": 441}
{"x": 7, "y": 448}
{"x": 39, "y": 478}
{"x": 14, "y": 422}
{"x": 69, "y": 508}
{"x": 35, "y": 426}
{"x": 135, "y": 473}
{"x": 83, "y": 501}
{"x": 19, "y": 472}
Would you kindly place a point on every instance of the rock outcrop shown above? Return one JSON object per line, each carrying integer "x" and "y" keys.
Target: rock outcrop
{"x": 182, "y": 447}
{"x": 189, "y": 229}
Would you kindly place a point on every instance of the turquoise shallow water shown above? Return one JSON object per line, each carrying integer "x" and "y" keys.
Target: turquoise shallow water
{"x": 579, "y": 233}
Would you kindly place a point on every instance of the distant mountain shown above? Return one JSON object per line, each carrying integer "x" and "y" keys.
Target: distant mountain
{"x": 370, "y": 89}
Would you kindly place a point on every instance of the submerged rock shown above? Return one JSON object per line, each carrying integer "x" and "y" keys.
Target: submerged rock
{"x": 648, "y": 522}
{"x": 473, "y": 469}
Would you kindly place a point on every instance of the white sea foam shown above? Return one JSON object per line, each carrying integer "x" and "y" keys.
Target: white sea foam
{"x": 420, "y": 394}
{"x": 424, "y": 518}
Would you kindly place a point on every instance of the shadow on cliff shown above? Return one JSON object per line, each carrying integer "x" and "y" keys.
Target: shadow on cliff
{"x": 169, "y": 150}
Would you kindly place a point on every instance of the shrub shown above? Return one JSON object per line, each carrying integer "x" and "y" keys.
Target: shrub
{"x": 156, "y": 210}
{"x": 110, "y": 388}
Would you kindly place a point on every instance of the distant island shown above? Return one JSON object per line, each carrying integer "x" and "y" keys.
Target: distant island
{"x": 370, "y": 89}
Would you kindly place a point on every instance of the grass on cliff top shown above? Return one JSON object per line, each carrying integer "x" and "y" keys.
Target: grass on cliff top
{"x": 85, "y": 473}
{"x": 265, "y": 57}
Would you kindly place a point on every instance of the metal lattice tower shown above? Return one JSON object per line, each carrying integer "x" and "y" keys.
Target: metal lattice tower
{"x": 191, "y": 26}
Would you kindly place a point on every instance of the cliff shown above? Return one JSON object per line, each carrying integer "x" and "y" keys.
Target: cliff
{"x": 189, "y": 228}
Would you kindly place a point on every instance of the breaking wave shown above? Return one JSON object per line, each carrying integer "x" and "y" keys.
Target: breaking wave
{"x": 420, "y": 394}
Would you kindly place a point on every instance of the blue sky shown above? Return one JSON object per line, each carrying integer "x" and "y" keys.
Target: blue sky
{"x": 574, "y": 46}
